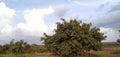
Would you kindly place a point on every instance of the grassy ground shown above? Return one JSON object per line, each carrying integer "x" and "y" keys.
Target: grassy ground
{"x": 106, "y": 52}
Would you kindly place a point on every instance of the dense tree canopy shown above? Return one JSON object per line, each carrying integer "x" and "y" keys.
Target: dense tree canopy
{"x": 73, "y": 38}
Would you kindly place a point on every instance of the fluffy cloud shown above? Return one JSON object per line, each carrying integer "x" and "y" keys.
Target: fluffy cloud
{"x": 31, "y": 30}
{"x": 34, "y": 25}
{"x": 6, "y": 17}
{"x": 112, "y": 34}
{"x": 35, "y": 18}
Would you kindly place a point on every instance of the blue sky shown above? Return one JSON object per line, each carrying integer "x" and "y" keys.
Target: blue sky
{"x": 29, "y": 19}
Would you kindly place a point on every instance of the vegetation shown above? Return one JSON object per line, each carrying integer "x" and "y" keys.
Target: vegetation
{"x": 110, "y": 51}
{"x": 17, "y": 47}
{"x": 74, "y": 38}
{"x": 21, "y": 47}
{"x": 71, "y": 39}
{"x": 118, "y": 40}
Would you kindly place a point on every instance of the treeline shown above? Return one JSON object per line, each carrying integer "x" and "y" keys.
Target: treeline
{"x": 21, "y": 47}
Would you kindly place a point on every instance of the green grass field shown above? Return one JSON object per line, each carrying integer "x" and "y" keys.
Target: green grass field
{"x": 106, "y": 52}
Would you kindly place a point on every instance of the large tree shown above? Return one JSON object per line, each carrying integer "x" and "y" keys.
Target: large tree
{"x": 73, "y": 38}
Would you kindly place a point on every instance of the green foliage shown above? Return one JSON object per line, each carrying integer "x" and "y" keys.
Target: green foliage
{"x": 38, "y": 48}
{"x": 73, "y": 38}
{"x": 2, "y": 49}
{"x": 118, "y": 40}
{"x": 20, "y": 47}
{"x": 17, "y": 47}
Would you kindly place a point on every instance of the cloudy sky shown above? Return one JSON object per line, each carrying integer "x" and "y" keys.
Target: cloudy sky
{"x": 29, "y": 19}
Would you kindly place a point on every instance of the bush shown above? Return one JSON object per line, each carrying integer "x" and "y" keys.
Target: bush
{"x": 73, "y": 38}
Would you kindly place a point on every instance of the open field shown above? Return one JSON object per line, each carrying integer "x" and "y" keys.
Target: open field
{"x": 106, "y": 52}
{"x": 109, "y": 52}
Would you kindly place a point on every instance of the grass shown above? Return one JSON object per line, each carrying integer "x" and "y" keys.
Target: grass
{"x": 116, "y": 52}
{"x": 100, "y": 54}
{"x": 106, "y": 52}
{"x": 13, "y": 55}
{"x": 28, "y": 55}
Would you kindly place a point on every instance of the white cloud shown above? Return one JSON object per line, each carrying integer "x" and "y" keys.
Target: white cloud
{"x": 30, "y": 31}
{"x": 6, "y": 16}
{"x": 35, "y": 24}
{"x": 112, "y": 34}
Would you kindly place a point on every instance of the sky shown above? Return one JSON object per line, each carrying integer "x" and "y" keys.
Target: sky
{"x": 28, "y": 19}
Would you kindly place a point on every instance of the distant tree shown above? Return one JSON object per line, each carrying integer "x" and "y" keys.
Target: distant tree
{"x": 20, "y": 47}
{"x": 5, "y": 48}
{"x": 15, "y": 47}
{"x": 118, "y": 40}
{"x": 11, "y": 46}
{"x": 73, "y": 38}
{"x": 2, "y": 49}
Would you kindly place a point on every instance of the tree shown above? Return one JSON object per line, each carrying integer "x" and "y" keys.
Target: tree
{"x": 15, "y": 47}
{"x": 118, "y": 40}
{"x": 20, "y": 47}
{"x": 11, "y": 46}
{"x": 3, "y": 49}
{"x": 73, "y": 38}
